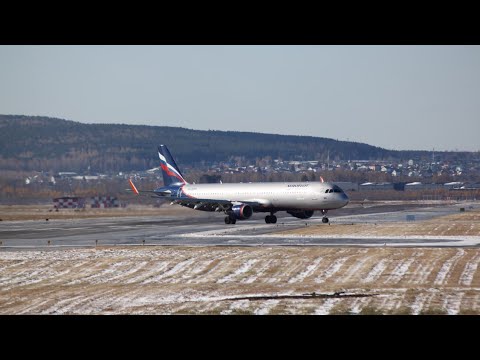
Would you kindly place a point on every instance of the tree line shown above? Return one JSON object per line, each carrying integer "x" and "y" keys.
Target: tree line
{"x": 49, "y": 144}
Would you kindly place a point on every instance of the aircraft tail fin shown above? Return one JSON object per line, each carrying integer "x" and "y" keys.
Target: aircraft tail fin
{"x": 170, "y": 171}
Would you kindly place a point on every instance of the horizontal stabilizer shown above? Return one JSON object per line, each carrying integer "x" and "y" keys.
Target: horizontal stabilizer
{"x": 132, "y": 185}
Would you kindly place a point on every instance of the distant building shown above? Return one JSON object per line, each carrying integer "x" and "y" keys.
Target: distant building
{"x": 420, "y": 186}
{"x": 414, "y": 186}
{"x": 453, "y": 185}
{"x": 86, "y": 177}
{"x": 470, "y": 186}
{"x": 347, "y": 186}
{"x": 376, "y": 186}
{"x": 66, "y": 174}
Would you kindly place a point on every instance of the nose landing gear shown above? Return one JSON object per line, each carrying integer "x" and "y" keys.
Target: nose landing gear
{"x": 325, "y": 218}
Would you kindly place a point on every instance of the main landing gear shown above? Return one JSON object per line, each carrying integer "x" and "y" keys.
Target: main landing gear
{"x": 324, "y": 219}
{"x": 230, "y": 220}
{"x": 270, "y": 219}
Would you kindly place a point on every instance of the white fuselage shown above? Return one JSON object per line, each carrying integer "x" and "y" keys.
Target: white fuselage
{"x": 291, "y": 195}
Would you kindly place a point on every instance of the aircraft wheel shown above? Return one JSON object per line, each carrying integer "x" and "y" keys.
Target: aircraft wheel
{"x": 325, "y": 220}
{"x": 273, "y": 219}
{"x": 227, "y": 219}
{"x": 267, "y": 219}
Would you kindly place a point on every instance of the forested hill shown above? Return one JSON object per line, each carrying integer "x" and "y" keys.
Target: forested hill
{"x": 50, "y": 144}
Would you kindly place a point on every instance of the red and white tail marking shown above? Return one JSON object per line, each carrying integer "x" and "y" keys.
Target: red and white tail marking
{"x": 321, "y": 179}
{"x": 134, "y": 189}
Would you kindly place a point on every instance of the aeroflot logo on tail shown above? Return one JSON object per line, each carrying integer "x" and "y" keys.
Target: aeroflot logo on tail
{"x": 169, "y": 169}
{"x": 298, "y": 185}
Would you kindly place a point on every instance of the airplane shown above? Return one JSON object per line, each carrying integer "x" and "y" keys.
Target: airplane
{"x": 238, "y": 201}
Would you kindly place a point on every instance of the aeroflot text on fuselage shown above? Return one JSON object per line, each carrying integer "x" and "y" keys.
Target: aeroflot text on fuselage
{"x": 238, "y": 201}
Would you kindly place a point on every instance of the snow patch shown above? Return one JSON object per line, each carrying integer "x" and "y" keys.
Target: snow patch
{"x": 241, "y": 270}
{"x": 452, "y": 303}
{"x": 173, "y": 271}
{"x": 103, "y": 275}
{"x": 354, "y": 269}
{"x": 124, "y": 273}
{"x": 266, "y": 307}
{"x": 377, "y": 270}
{"x": 468, "y": 273}
{"x": 199, "y": 268}
{"x": 331, "y": 270}
{"x": 156, "y": 268}
{"x": 326, "y": 307}
{"x": 421, "y": 301}
{"x": 399, "y": 271}
{"x": 308, "y": 271}
{"x": 237, "y": 305}
{"x": 417, "y": 305}
{"x": 30, "y": 309}
{"x": 444, "y": 271}
{"x": 259, "y": 273}
{"x": 358, "y": 304}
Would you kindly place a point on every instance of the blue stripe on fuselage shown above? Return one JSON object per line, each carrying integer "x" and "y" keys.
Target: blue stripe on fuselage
{"x": 176, "y": 191}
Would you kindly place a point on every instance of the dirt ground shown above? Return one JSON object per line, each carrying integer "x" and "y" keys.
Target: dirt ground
{"x": 239, "y": 280}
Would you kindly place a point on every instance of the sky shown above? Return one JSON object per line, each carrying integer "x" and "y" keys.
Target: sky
{"x": 395, "y": 97}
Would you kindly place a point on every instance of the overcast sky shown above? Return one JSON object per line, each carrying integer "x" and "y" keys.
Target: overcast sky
{"x": 396, "y": 97}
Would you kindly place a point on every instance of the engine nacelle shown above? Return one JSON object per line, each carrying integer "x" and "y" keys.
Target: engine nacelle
{"x": 303, "y": 214}
{"x": 242, "y": 212}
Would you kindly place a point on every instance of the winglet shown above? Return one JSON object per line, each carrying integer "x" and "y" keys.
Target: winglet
{"x": 321, "y": 179}
{"x": 134, "y": 189}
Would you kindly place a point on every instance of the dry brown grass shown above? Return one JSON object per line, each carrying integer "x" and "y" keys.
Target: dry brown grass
{"x": 183, "y": 280}
{"x": 467, "y": 223}
{"x": 41, "y": 212}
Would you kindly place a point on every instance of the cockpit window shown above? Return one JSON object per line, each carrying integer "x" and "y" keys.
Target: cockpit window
{"x": 335, "y": 189}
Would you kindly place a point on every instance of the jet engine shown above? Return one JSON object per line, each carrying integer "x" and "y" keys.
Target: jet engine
{"x": 302, "y": 214}
{"x": 242, "y": 212}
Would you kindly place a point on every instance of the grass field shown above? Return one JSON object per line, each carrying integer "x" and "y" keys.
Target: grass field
{"x": 465, "y": 223}
{"x": 219, "y": 280}
{"x": 41, "y": 212}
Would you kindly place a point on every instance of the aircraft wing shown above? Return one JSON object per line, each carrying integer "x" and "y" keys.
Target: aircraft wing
{"x": 210, "y": 203}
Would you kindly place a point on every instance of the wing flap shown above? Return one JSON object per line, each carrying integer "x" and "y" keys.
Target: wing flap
{"x": 191, "y": 201}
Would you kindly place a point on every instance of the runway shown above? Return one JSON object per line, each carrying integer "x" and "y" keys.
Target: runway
{"x": 208, "y": 229}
